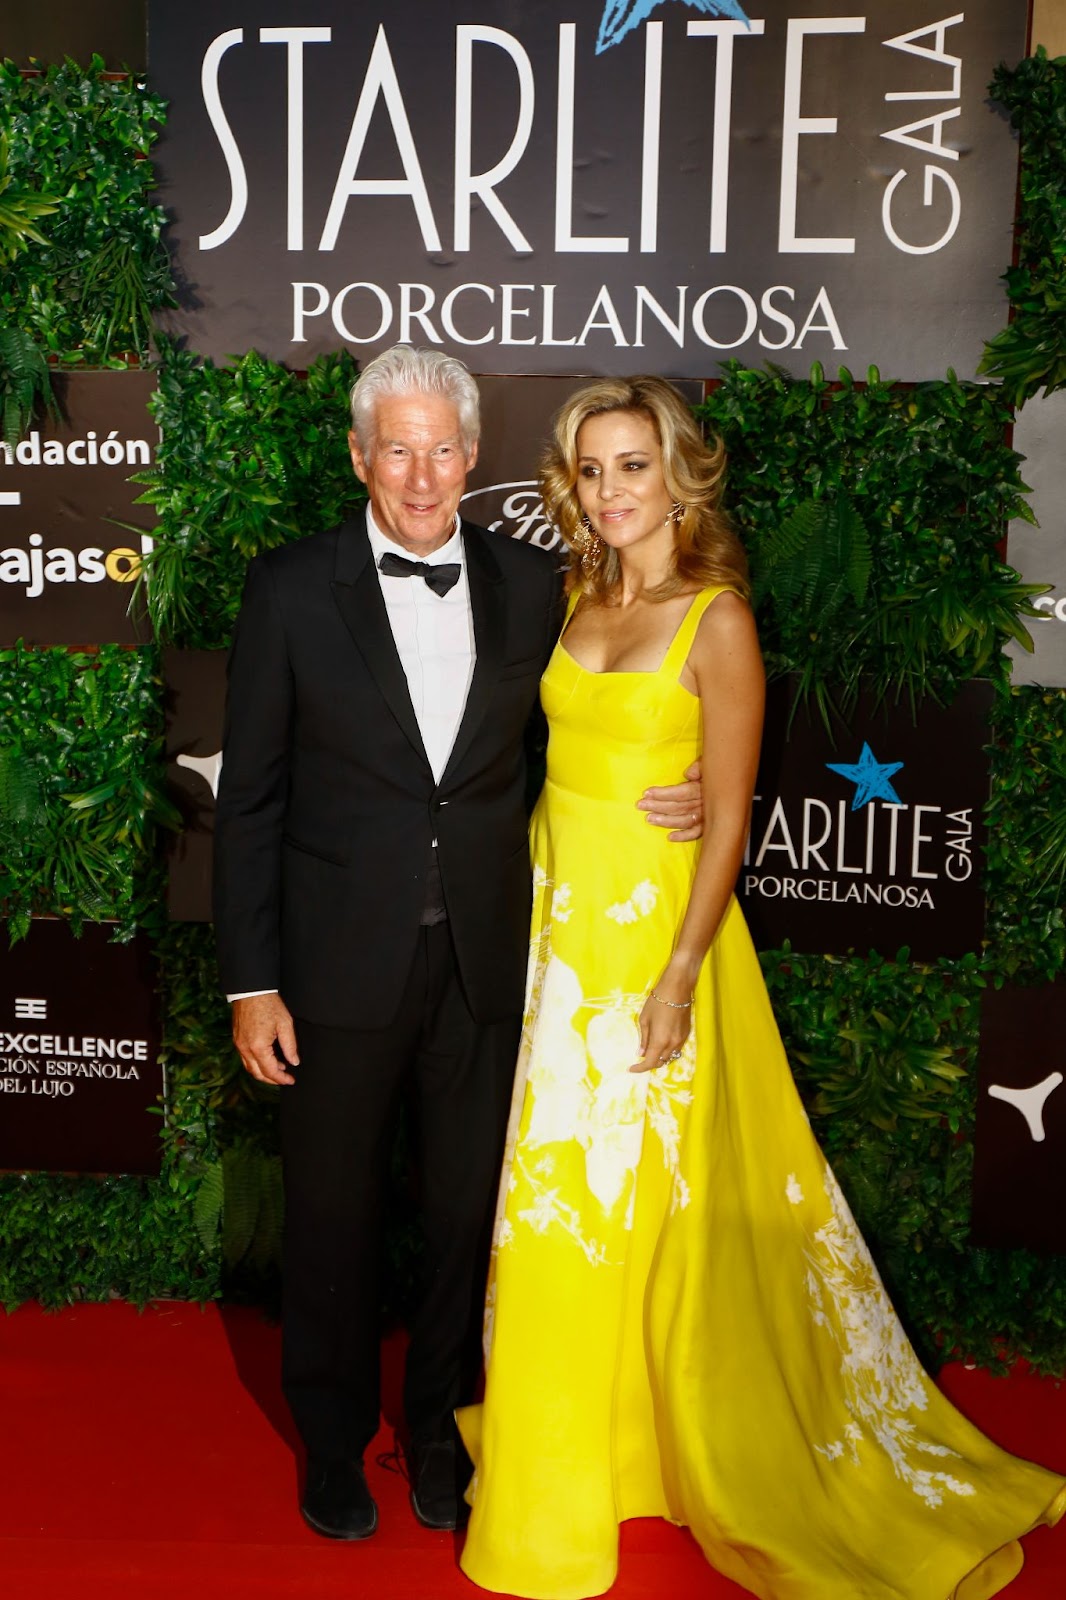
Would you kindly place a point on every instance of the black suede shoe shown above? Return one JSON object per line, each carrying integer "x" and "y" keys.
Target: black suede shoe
{"x": 436, "y": 1492}
{"x": 337, "y": 1502}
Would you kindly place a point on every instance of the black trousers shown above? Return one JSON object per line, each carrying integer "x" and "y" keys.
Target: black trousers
{"x": 337, "y": 1124}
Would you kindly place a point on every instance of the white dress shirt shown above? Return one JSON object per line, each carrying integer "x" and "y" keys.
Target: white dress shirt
{"x": 434, "y": 636}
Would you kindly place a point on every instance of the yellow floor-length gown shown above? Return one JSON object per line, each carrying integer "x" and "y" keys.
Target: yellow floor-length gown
{"x": 683, "y": 1319}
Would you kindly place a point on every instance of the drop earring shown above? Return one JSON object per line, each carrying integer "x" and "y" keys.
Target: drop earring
{"x": 677, "y": 511}
{"x": 589, "y": 544}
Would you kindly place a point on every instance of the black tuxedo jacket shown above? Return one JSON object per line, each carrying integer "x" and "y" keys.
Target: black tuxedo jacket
{"x": 328, "y": 806}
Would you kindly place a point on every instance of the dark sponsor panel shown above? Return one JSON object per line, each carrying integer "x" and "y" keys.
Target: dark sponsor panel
{"x": 67, "y": 567}
{"x": 590, "y": 185}
{"x": 1019, "y": 1183}
{"x": 872, "y": 839}
{"x": 195, "y": 707}
{"x": 80, "y": 1077}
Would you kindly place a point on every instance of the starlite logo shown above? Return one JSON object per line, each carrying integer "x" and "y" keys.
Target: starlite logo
{"x": 620, "y": 16}
{"x": 876, "y": 849}
{"x": 466, "y": 184}
{"x": 872, "y": 778}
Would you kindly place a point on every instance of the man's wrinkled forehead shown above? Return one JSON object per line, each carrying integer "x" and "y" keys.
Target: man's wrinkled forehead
{"x": 415, "y": 419}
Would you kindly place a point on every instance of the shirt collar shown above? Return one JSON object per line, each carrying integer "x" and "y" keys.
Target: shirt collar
{"x": 380, "y": 543}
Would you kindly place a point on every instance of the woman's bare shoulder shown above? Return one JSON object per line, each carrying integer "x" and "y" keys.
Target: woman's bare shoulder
{"x": 726, "y": 631}
{"x": 727, "y": 614}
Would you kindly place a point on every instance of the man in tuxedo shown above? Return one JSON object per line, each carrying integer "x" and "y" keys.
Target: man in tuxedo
{"x": 372, "y": 900}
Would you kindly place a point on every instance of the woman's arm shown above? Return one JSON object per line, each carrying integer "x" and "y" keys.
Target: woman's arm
{"x": 727, "y": 667}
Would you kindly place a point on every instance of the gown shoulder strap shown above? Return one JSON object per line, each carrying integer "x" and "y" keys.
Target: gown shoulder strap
{"x": 571, "y": 606}
{"x": 681, "y": 643}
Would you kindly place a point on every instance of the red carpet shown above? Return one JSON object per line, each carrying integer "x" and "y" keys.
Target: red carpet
{"x": 151, "y": 1456}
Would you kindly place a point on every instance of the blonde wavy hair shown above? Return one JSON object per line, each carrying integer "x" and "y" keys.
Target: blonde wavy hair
{"x": 706, "y": 550}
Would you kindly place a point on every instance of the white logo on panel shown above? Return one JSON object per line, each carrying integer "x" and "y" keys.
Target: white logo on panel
{"x": 1030, "y": 1102}
{"x": 209, "y": 768}
{"x": 523, "y": 512}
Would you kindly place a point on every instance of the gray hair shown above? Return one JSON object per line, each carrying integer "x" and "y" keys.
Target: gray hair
{"x": 403, "y": 370}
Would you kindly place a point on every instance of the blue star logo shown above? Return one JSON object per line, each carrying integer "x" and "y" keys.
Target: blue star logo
{"x": 870, "y": 777}
{"x": 619, "y": 16}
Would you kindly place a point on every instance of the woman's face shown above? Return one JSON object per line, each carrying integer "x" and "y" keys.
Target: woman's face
{"x": 620, "y": 483}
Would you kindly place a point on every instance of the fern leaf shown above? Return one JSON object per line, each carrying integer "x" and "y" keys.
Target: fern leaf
{"x": 207, "y": 1206}
{"x": 855, "y": 549}
{"x": 25, "y": 383}
{"x": 241, "y": 1177}
{"x": 21, "y": 799}
{"x": 266, "y": 1244}
{"x": 783, "y": 554}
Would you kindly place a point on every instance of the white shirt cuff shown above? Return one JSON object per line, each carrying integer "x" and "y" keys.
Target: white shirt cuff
{"x": 250, "y": 994}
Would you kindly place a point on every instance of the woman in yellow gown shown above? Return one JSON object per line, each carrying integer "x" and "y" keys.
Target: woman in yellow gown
{"x": 683, "y": 1320}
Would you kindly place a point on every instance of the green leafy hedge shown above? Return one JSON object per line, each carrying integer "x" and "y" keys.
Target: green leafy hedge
{"x": 81, "y": 786}
{"x": 252, "y": 456}
{"x": 67, "y": 1239}
{"x": 874, "y": 513}
{"x": 81, "y": 139}
{"x": 1030, "y": 354}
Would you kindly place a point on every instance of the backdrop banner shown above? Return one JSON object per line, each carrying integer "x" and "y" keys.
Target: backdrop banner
{"x": 1020, "y": 1137}
{"x": 114, "y": 29}
{"x": 1040, "y": 553}
{"x": 607, "y": 185}
{"x": 874, "y": 841}
{"x": 195, "y": 700}
{"x": 66, "y": 568}
{"x": 80, "y": 1077}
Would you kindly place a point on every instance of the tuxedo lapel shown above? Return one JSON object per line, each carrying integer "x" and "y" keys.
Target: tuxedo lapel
{"x": 357, "y": 591}
{"x": 488, "y": 608}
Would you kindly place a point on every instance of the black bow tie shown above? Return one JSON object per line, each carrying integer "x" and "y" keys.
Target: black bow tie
{"x": 441, "y": 576}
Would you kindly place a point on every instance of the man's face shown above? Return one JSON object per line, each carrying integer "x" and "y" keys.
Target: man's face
{"x": 415, "y": 469}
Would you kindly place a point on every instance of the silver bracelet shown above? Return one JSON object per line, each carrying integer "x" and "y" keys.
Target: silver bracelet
{"x": 675, "y": 1005}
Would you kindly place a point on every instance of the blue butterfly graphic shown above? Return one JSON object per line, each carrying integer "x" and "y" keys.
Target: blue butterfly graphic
{"x": 621, "y": 16}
